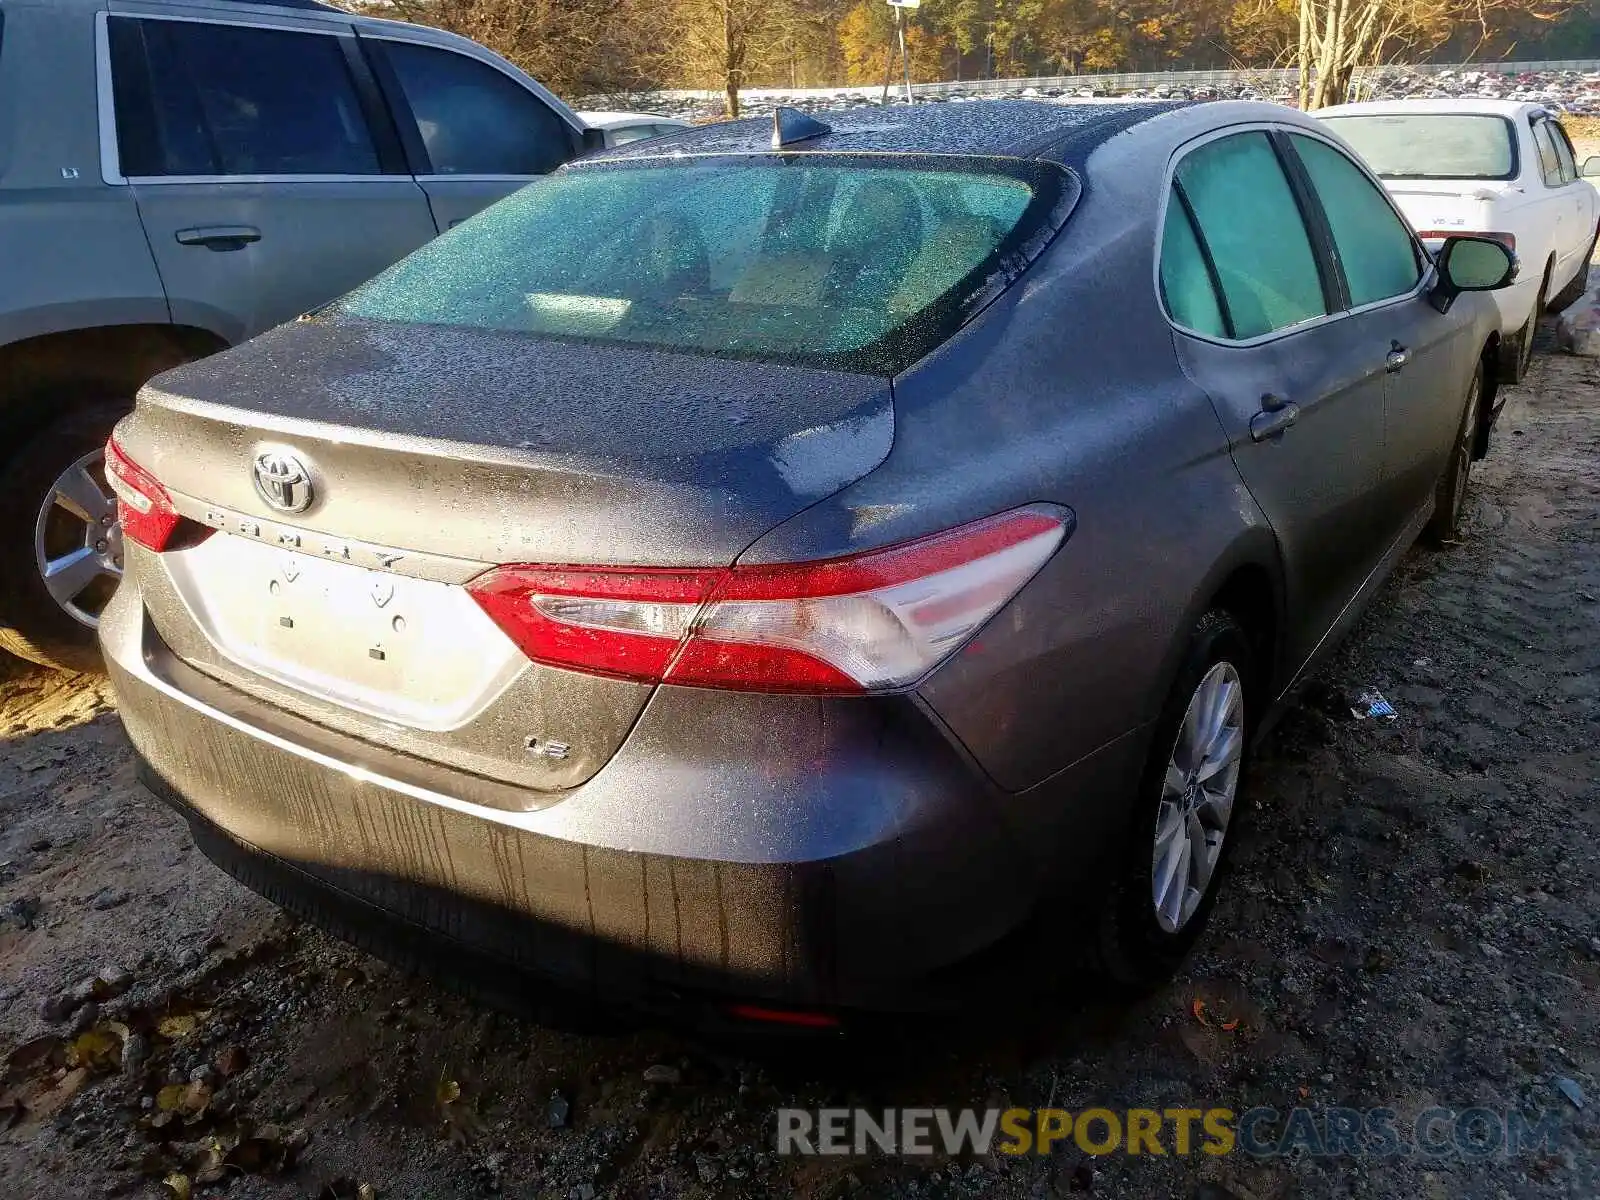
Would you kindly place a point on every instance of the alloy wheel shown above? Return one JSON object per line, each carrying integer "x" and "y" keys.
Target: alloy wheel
{"x": 77, "y": 540}
{"x": 1197, "y": 796}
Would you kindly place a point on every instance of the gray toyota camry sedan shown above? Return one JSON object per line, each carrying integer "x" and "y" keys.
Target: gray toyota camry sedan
{"x": 783, "y": 567}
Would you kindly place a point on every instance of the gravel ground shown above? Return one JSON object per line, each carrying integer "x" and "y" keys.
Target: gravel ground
{"x": 1414, "y": 920}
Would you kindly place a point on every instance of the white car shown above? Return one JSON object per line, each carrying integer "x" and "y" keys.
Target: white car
{"x": 620, "y": 128}
{"x": 1495, "y": 168}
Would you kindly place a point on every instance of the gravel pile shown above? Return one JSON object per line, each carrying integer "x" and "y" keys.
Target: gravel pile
{"x": 1574, "y": 92}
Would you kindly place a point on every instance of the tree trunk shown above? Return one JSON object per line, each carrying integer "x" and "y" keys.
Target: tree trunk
{"x": 1305, "y": 54}
{"x": 733, "y": 60}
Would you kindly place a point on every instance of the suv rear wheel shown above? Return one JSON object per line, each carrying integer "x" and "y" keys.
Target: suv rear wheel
{"x": 60, "y": 542}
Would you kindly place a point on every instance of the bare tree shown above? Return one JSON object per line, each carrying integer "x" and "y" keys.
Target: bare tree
{"x": 724, "y": 42}
{"x": 1338, "y": 37}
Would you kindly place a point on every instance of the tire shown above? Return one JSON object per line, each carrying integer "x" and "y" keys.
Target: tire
{"x": 1450, "y": 499}
{"x": 1579, "y": 284}
{"x": 1517, "y": 354}
{"x": 1134, "y": 948}
{"x": 33, "y": 624}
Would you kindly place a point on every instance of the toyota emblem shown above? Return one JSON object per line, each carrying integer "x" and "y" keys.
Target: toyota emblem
{"x": 282, "y": 481}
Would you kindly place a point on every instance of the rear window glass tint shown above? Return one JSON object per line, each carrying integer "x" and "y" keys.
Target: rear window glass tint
{"x": 1431, "y": 145}
{"x": 844, "y": 262}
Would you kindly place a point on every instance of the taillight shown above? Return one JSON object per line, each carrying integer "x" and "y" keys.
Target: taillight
{"x": 870, "y": 622}
{"x": 143, "y": 505}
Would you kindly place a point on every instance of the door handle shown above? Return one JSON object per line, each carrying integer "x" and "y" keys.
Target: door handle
{"x": 1276, "y": 415}
{"x": 219, "y": 237}
{"x": 1397, "y": 358}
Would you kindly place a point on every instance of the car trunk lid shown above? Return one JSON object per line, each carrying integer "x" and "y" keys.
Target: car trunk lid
{"x": 430, "y": 454}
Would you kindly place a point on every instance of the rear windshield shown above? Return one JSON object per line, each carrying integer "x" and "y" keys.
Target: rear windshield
{"x": 817, "y": 259}
{"x": 1431, "y": 145}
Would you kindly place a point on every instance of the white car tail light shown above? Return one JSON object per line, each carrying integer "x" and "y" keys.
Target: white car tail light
{"x": 870, "y": 622}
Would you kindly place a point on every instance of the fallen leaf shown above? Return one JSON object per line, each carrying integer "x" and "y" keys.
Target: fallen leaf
{"x": 99, "y": 1048}
{"x": 366, "y": 1192}
{"x": 1198, "y": 1008}
{"x": 184, "y": 1099}
{"x": 448, "y": 1092}
{"x": 1230, "y": 1026}
{"x": 177, "y": 1185}
{"x": 176, "y": 1028}
{"x": 1304, "y": 1091}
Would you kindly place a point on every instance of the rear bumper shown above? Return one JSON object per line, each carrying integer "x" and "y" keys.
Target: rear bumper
{"x": 851, "y": 860}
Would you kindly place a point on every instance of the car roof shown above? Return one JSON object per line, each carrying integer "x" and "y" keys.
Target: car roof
{"x": 608, "y": 119}
{"x": 1464, "y": 106}
{"x": 1002, "y": 128}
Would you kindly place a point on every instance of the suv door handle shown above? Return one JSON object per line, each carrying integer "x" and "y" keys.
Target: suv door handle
{"x": 1397, "y": 358}
{"x": 1276, "y": 415}
{"x": 219, "y": 237}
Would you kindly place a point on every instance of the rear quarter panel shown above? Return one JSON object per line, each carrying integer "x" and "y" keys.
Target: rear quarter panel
{"x": 1067, "y": 390}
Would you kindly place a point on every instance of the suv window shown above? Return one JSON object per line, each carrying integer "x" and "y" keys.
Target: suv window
{"x": 1250, "y": 224}
{"x": 208, "y": 99}
{"x": 475, "y": 120}
{"x": 1374, "y": 245}
{"x": 1549, "y": 160}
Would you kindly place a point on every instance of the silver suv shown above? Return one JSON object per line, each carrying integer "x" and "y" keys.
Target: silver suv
{"x": 179, "y": 175}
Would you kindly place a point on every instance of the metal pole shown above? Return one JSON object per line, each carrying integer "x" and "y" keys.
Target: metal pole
{"x": 905, "y": 61}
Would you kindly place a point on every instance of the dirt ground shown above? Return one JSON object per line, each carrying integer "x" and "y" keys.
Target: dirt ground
{"x": 1413, "y": 920}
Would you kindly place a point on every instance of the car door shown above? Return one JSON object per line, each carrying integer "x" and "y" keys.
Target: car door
{"x": 1298, "y": 388}
{"x": 475, "y": 130}
{"x": 1385, "y": 276}
{"x": 1582, "y": 195}
{"x": 266, "y": 176}
{"x": 1559, "y": 205}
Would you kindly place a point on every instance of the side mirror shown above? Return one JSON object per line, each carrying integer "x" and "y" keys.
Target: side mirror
{"x": 595, "y": 139}
{"x": 1472, "y": 264}
{"x": 1591, "y": 167}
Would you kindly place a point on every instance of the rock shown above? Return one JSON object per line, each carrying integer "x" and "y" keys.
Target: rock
{"x": 107, "y": 898}
{"x": 111, "y": 981}
{"x": 188, "y": 960}
{"x": 86, "y": 1017}
{"x": 1578, "y": 330}
{"x": 21, "y": 911}
{"x": 135, "y": 1053}
{"x": 584, "y": 1191}
{"x": 59, "y": 1006}
{"x": 1570, "y": 1089}
{"x": 560, "y": 1111}
{"x": 662, "y": 1073}
{"x": 706, "y": 1167}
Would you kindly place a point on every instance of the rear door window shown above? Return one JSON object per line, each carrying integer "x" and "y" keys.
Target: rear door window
{"x": 1187, "y": 284}
{"x": 1375, "y": 246}
{"x": 235, "y": 100}
{"x": 1563, "y": 145}
{"x": 1249, "y": 222}
{"x": 474, "y": 119}
{"x": 1549, "y": 160}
